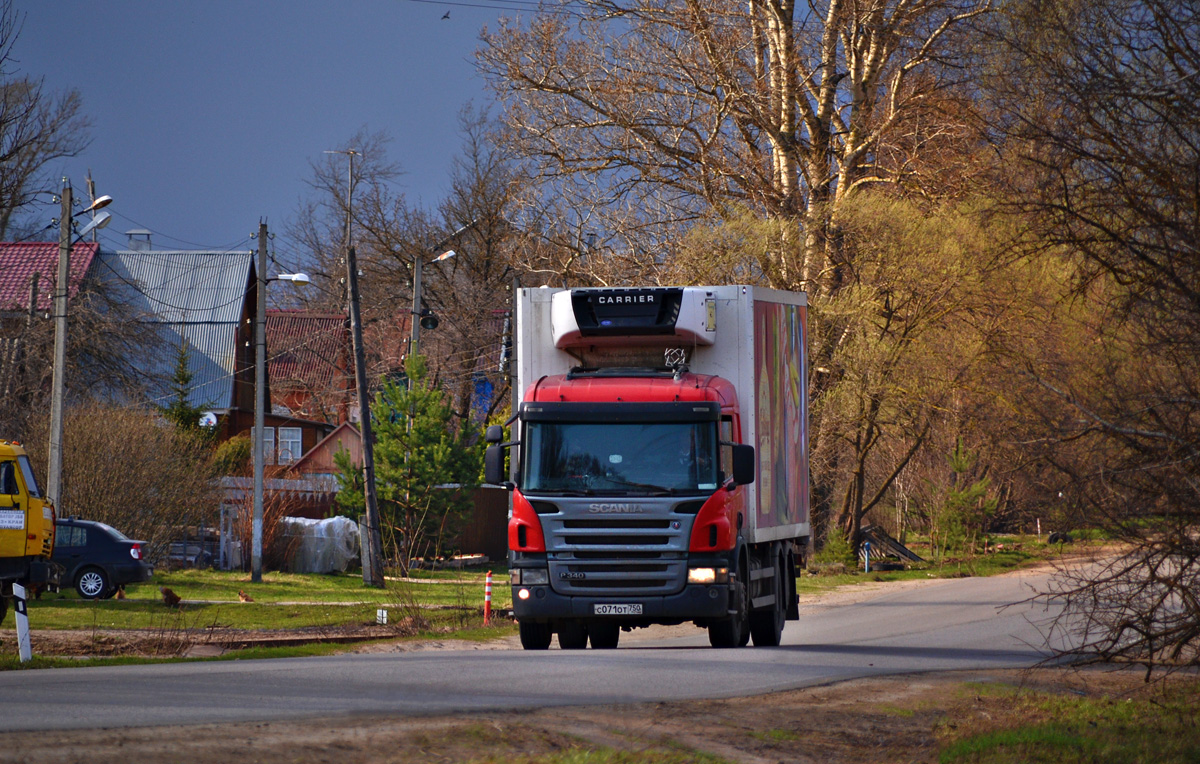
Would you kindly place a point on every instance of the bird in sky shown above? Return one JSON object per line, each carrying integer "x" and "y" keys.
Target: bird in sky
{"x": 446, "y": 16}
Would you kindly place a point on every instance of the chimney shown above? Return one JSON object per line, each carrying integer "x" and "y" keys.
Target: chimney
{"x": 139, "y": 239}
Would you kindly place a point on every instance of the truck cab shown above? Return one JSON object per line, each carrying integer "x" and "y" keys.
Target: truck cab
{"x": 26, "y": 526}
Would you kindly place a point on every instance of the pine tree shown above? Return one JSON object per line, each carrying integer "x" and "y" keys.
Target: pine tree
{"x": 181, "y": 413}
{"x": 417, "y": 448}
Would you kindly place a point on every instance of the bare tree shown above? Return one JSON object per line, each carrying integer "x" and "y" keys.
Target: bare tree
{"x": 685, "y": 110}
{"x": 124, "y": 467}
{"x": 685, "y": 129}
{"x": 36, "y": 127}
{"x": 469, "y": 293}
{"x": 1108, "y": 117}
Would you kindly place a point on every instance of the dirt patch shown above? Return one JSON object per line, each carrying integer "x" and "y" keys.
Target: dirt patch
{"x": 170, "y": 643}
{"x": 904, "y": 718}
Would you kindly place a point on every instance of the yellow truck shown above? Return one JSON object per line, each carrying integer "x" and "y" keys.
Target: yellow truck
{"x": 26, "y": 527}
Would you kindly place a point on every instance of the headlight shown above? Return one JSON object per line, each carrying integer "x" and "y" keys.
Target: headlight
{"x": 534, "y": 576}
{"x": 708, "y": 575}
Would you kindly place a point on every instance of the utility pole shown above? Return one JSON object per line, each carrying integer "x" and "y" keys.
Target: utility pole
{"x": 54, "y": 470}
{"x": 372, "y": 546}
{"x": 372, "y": 550}
{"x": 414, "y": 347}
{"x": 260, "y": 397}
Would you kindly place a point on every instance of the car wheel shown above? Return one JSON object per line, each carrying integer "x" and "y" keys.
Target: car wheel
{"x": 92, "y": 583}
{"x": 3, "y": 607}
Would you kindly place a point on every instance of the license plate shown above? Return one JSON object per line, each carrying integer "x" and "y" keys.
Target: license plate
{"x": 632, "y": 609}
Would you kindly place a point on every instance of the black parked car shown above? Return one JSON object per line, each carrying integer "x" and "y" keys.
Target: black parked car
{"x": 98, "y": 558}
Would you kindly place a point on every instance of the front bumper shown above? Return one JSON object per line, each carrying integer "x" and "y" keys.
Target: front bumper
{"x": 697, "y": 602}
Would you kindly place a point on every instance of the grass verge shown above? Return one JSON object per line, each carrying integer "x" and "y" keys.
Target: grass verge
{"x": 1159, "y": 723}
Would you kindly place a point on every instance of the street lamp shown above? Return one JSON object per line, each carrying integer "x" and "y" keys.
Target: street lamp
{"x": 260, "y": 394}
{"x": 423, "y": 318}
{"x": 66, "y": 235}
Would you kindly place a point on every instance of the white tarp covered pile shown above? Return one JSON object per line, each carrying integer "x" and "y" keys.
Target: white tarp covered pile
{"x": 322, "y": 546}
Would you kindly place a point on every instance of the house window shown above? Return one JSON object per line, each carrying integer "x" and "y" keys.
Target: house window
{"x": 289, "y": 444}
{"x": 269, "y": 445}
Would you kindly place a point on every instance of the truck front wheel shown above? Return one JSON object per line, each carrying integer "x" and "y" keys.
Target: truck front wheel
{"x": 734, "y": 630}
{"x": 572, "y": 635}
{"x": 535, "y": 636}
{"x": 605, "y": 635}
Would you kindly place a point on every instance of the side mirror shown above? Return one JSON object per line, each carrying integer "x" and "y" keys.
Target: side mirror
{"x": 494, "y": 434}
{"x": 493, "y": 465}
{"x": 743, "y": 464}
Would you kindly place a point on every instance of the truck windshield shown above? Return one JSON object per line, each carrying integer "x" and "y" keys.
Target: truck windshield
{"x": 676, "y": 457}
{"x": 27, "y": 473}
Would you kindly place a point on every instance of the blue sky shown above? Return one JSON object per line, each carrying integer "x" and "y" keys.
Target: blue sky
{"x": 207, "y": 114}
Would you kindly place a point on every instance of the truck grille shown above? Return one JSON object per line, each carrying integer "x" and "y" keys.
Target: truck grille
{"x": 618, "y": 555}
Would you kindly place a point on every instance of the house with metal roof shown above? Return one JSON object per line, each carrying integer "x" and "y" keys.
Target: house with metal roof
{"x": 203, "y": 299}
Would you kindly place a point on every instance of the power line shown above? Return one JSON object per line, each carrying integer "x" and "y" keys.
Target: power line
{"x": 502, "y": 5}
{"x": 175, "y": 238}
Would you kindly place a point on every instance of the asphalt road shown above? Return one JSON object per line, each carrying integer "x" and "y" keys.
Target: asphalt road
{"x": 944, "y": 625}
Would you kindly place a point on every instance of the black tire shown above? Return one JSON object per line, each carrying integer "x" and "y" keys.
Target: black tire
{"x": 92, "y": 583}
{"x": 604, "y": 635}
{"x": 572, "y": 635}
{"x": 3, "y": 607}
{"x": 766, "y": 625}
{"x": 535, "y": 636}
{"x": 734, "y": 630}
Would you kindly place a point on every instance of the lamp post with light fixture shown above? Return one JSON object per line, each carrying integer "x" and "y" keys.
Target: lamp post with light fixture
{"x": 424, "y": 318}
{"x": 260, "y": 394}
{"x": 66, "y": 235}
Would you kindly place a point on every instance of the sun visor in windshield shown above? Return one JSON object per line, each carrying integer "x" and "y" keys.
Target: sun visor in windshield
{"x": 692, "y": 411}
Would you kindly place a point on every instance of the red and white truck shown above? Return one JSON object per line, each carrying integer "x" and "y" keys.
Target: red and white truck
{"x": 659, "y": 467}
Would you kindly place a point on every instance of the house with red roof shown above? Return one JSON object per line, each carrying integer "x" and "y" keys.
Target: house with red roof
{"x": 309, "y": 364}
{"x": 28, "y": 276}
{"x": 21, "y": 261}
